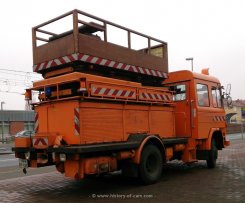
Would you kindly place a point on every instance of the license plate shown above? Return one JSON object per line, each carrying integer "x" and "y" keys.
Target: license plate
{"x": 23, "y": 163}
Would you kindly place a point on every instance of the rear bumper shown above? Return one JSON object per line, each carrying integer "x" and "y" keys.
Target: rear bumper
{"x": 95, "y": 148}
{"x": 82, "y": 149}
{"x": 23, "y": 149}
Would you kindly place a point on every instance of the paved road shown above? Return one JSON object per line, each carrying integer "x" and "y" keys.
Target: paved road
{"x": 8, "y": 160}
{"x": 236, "y": 136}
{"x": 179, "y": 184}
{"x": 11, "y": 172}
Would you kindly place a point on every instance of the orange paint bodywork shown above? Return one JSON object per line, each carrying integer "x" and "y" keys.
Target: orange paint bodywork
{"x": 137, "y": 157}
{"x": 169, "y": 153}
{"x": 102, "y": 122}
{"x": 94, "y": 117}
{"x": 89, "y": 166}
{"x": 88, "y": 124}
{"x": 22, "y": 142}
{"x": 191, "y": 119}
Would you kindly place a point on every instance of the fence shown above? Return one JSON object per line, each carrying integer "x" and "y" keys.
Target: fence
{"x": 233, "y": 128}
{"x": 6, "y": 139}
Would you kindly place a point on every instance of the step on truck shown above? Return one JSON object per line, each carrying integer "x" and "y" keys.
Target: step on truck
{"x": 104, "y": 107}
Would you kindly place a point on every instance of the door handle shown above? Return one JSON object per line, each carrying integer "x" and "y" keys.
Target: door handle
{"x": 193, "y": 113}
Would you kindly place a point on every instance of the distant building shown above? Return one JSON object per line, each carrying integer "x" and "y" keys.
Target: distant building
{"x": 236, "y": 114}
{"x": 12, "y": 121}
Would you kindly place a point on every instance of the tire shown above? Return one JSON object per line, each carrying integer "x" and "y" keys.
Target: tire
{"x": 151, "y": 165}
{"x": 212, "y": 155}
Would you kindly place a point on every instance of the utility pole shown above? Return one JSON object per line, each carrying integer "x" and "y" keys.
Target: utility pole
{"x": 2, "y": 103}
{"x": 190, "y": 59}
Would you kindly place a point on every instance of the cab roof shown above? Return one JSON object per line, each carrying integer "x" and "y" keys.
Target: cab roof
{"x": 184, "y": 75}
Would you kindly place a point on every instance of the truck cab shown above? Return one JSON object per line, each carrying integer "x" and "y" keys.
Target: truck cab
{"x": 199, "y": 110}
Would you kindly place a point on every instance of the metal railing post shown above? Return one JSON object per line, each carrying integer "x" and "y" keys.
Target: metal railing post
{"x": 149, "y": 46}
{"x": 129, "y": 40}
{"x": 105, "y": 32}
{"x": 75, "y": 30}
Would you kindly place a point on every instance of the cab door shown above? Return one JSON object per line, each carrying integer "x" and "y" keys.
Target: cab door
{"x": 183, "y": 104}
{"x": 210, "y": 112}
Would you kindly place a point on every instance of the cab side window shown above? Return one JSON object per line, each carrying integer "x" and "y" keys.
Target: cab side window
{"x": 216, "y": 97}
{"x": 202, "y": 95}
{"x": 180, "y": 92}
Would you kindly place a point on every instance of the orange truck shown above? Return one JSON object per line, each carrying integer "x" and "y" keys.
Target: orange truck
{"x": 104, "y": 107}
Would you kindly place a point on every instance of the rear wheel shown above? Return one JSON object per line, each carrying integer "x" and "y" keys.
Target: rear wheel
{"x": 212, "y": 155}
{"x": 151, "y": 165}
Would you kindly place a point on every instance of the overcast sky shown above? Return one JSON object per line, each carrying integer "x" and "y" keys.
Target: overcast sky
{"x": 210, "y": 31}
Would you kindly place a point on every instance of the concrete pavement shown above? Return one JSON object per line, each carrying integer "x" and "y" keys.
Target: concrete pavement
{"x": 180, "y": 183}
{"x": 6, "y": 148}
{"x": 236, "y": 136}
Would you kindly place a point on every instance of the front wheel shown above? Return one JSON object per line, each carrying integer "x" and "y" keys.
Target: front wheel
{"x": 212, "y": 155}
{"x": 151, "y": 165}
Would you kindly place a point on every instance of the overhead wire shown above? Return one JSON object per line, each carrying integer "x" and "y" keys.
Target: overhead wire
{"x": 24, "y": 79}
{"x": 12, "y": 92}
{"x": 20, "y": 73}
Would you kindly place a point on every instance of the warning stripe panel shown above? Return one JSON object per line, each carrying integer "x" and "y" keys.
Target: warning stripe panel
{"x": 155, "y": 96}
{"x": 219, "y": 118}
{"x": 113, "y": 92}
{"x": 77, "y": 121}
{"x": 99, "y": 61}
{"x": 40, "y": 142}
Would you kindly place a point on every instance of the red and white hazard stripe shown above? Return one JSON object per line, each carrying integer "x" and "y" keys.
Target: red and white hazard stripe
{"x": 55, "y": 62}
{"x": 77, "y": 121}
{"x": 154, "y": 96}
{"x": 111, "y": 92}
{"x": 98, "y": 61}
{"x": 40, "y": 142}
{"x": 219, "y": 118}
{"x": 36, "y": 124}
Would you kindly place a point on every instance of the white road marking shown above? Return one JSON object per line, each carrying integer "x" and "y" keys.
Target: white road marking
{"x": 8, "y": 160}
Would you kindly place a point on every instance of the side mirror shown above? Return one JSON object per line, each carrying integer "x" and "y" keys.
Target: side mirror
{"x": 229, "y": 101}
{"x": 226, "y": 96}
{"x": 228, "y": 89}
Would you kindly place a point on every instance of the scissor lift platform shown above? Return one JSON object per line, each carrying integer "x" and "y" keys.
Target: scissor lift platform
{"x": 82, "y": 50}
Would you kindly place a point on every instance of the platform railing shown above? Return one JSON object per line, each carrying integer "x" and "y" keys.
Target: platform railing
{"x": 102, "y": 27}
